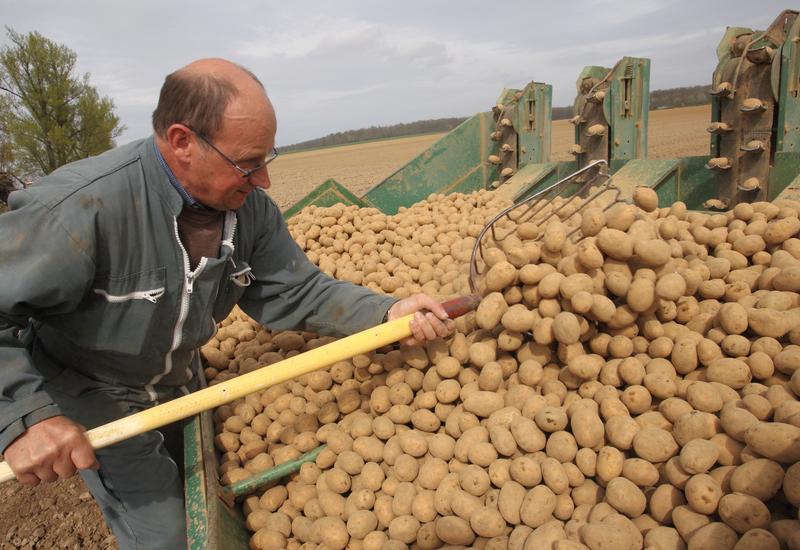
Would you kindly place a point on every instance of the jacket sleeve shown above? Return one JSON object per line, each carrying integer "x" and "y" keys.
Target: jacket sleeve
{"x": 45, "y": 270}
{"x": 289, "y": 292}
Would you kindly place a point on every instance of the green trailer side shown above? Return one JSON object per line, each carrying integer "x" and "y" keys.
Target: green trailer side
{"x": 326, "y": 194}
{"x": 455, "y": 163}
{"x": 211, "y": 524}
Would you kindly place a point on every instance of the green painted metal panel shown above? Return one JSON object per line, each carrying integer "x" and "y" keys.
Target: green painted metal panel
{"x": 628, "y": 108}
{"x": 528, "y": 181}
{"x": 194, "y": 485}
{"x": 326, "y": 194}
{"x": 788, "y": 124}
{"x": 617, "y": 164}
{"x": 456, "y": 161}
{"x": 648, "y": 173}
{"x": 535, "y": 114}
{"x": 474, "y": 180}
{"x": 212, "y": 523}
{"x": 507, "y": 95}
{"x": 697, "y": 183}
{"x": 792, "y": 191}
{"x": 566, "y": 168}
{"x": 784, "y": 174}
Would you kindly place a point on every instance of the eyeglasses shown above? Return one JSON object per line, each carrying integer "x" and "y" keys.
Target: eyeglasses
{"x": 245, "y": 172}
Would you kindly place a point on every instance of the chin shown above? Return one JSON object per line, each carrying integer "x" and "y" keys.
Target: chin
{"x": 236, "y": 202}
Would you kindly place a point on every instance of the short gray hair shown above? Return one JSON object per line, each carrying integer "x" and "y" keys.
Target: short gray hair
{"x": 195, "y": 99}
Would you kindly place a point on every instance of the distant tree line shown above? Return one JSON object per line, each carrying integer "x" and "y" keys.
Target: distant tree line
{"x": 379, "y": 132}
{"x": 659, "y": 99}
{"x": 680, "y": 97}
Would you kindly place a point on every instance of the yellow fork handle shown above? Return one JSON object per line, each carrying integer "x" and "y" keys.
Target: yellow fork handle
{"x": 257, "y": 380}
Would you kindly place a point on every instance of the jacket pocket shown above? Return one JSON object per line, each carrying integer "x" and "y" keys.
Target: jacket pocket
{"x": 122, "y": 314}
{"x": 149, "y": 295}
{"x": 232, "y": 289}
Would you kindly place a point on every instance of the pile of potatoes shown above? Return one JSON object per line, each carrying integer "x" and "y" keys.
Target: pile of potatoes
{"x": 628, "y": 381}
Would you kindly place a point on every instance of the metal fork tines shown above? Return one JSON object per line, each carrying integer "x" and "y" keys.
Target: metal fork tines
{"x": 591, "y": 183}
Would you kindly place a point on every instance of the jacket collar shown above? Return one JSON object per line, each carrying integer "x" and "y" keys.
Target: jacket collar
{"x": 157, "y": 178}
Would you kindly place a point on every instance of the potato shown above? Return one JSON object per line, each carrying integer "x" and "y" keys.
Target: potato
{"x": 454, "y": 530}
{"x": 361, "y": 523}
{"x": 615, "y": 244}
{"x": 758, "y": 539}
{"x": 761, "y": 478}
{"x": 743, "y": 512}
{"x": 640, "y": 472}
{"x": 487, "y": 522}
{"x": 688, "y": 522}
{"x": 518, "y": 318}
{"x": 775, "y": 440}
{"x": 703, "y": 493}
{"x": 731, "y": 372}
{"x": 600, "y": 535}
{"x": 620, "y": 431}
{"x": 403, "y": 528}
{"x": 663, "y": 501}
{"x": 698, "y": 456}
{"x": 267, "y": 539}
{"x": 510, "y": 500}
{"x": 566, "y": 328}
{"x": 653, "y": 252}
{"x": 501, "y": 275}
{"x": 527, "y": 435}
{"x": 625, "y": 497}
{"x": 670, "y": 286}
{"x": 491, "y": 310}
{"x": 654, "y": 444}
{"x": 332, "y": 531}
{"x": 537, "y": 506}
{"x": 663, "y": 538}
{"x": 645, "y": 198}
{"x": 768, "y": 322}
{"x": 712, "y": 537}
{"x": 483, "y": 403}
{"x": 587, "y": 428}
{"x": 526, "y": 471}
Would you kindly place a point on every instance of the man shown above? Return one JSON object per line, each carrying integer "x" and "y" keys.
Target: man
{"x": 115, "y": 270}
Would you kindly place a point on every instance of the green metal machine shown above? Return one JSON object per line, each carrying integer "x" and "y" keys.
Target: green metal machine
{"x": 611, "y": 112}
{"x": 755, "y": 111}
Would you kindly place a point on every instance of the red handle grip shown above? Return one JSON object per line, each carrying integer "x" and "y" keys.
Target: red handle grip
{"x": 461, "y": 305}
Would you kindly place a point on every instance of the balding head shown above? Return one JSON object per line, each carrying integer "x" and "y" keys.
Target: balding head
{"x": 198, "y": 94}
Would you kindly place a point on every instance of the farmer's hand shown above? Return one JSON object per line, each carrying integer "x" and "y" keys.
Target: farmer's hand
{"x": 430, "y": 319}
{"x": 49, "y": 450}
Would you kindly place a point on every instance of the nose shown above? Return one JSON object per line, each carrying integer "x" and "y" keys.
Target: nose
{"x": 261, "y": 178}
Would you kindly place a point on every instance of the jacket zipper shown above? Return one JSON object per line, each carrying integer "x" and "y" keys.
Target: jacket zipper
{"x": 188, "y": 288}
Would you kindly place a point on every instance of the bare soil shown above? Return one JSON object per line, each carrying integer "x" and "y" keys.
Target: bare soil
{"x": 54, "y": 515}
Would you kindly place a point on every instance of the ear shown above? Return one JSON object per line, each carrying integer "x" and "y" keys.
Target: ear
{"x": 179, "y": 139}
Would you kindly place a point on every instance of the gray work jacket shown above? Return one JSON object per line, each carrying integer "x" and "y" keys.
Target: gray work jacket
{"x": 94, "y": 278}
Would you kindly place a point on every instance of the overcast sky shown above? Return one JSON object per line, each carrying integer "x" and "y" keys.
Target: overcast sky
{"x": 338, "y": 65}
